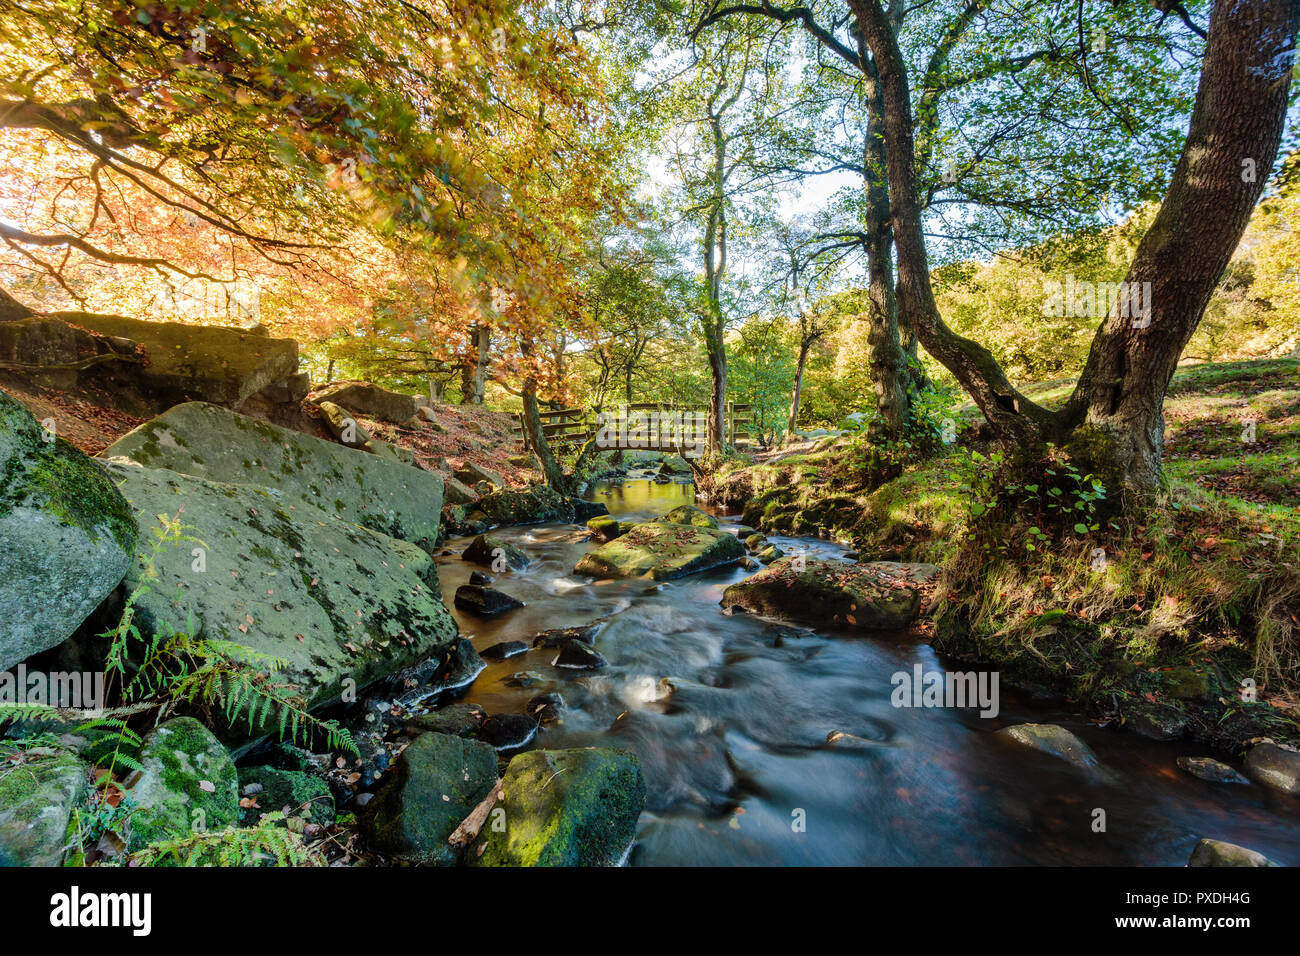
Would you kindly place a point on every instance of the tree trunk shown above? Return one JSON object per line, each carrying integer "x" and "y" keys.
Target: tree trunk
{"x": 1233, "y": 139}
{"x": 798, "y": 385}
{"x": 473, "y": 377}
{"x": 716, "y": 432}
{"x": 1239, "y": 114}
{"x": 533, "y": 426}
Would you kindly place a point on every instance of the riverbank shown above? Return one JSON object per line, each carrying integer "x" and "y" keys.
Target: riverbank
{"x": 1182, "y": 623}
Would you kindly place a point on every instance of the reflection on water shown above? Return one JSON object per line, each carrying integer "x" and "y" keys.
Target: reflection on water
{"x": 730, "y": 717}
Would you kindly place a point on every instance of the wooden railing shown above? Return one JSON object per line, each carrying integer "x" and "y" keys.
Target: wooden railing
{"x": 568, "y": 427}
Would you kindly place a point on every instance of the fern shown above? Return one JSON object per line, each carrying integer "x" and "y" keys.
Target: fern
{"x": 267, "y": 844}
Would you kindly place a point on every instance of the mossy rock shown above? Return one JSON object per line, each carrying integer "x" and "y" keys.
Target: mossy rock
{"x": 334, "y": 602}
{"x": 372, "y": 401}
{"x": 536, "y": 505}
{"x": 604, "y": 527}
{"x": 662, "y": 551}
{"x": 1189, "y": 683}
{"x": 68, "y": 536}
{"x": 37, "y": 799}
{"x": 434, "y": 785}
{"x": 188, "y": 783}
{"x": 1219, "y": 853}
{"x": 878, "y": 595}
{"x": 565, "y": 808}
{"x": 304, "y": 794}
{"x": 210, "y": 442}
{"x": 691, "y": 515}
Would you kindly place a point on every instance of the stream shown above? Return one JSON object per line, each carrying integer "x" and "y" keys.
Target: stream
{"x": 730, "y": 716}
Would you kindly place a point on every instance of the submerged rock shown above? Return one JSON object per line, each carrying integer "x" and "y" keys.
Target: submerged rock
{"x": 508, "y": 731}
{"x": 662, "y": 551}
{"x": 479, "y": 578}
{"x": 882, "y": 595}
{"x": 1054, "y": 740}
{"x": 188, "y": 782}
{"x": 505, "y": 650}
{"x": 565, "y": 808}
{"x": 546, "y": 708}
{"x": 434, "y": 785}
{"x": 1218, "y": 853}
{"x": 67, "y": 534}
{"x": 495, "y": 554}
{"x": 486, "y": 602}
{"x": 578, "y": 656}
{"x": 525, "y": 679}
{"x": 1207, "y": 768}
{"x": 584, "y": 633}
{"x": 37, "y": 798}
{"x": 1274, "y": 767}
{"x": 218, "y": 445}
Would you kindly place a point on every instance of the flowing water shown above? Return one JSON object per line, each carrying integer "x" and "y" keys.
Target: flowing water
{"x": 730, "y": 716}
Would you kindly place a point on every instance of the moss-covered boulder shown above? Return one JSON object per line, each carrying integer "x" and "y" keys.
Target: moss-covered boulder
{"x": 689, "y": 514}
{"x": 881, "y": 595}
{"x": 565, "y": 808}
{"x": 604, "y": 527}
{"x": 204, "y": 363}
{"x": 210, "y": 442}
{"x": 66, "y": 536}
{"x": 662, "y": 551}
{"x": 1219, "y": 853}
{"x": 538, "y": 505}
{"x": 291, "y": 792}
{"x": 335, "y": 602}
{"x": 434, "y": 785}
{"x": 188, "y": 783}
{"x": 37, "y": 798}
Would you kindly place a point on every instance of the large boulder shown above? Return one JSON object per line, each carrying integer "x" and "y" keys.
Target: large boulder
{"x": 437, "y": 781}
{"x": 66, "y": 536}
{"x": 210, "y": 442}
{"x": 880, "y": 595}
{"x": 37, "y": 798}
{"x": 49, "y": 351}
{"x": 187, "y": 782}
{"x": 565, "y": 808}
{"x": 535, "y": 505}
{"x": 492, "y": 552}
{"x": 206, "y": 363}
{"x": 334, "y": 601}
{"x": 372, "y": 401}
{"x": 472, "y": 473}
{"x": 662, "y": 551}
{"x": 1274, "y": 767}
{"x": 338, "y": 421}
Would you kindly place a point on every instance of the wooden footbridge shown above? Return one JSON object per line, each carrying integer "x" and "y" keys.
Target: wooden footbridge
{"x": 644, "y": 426}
